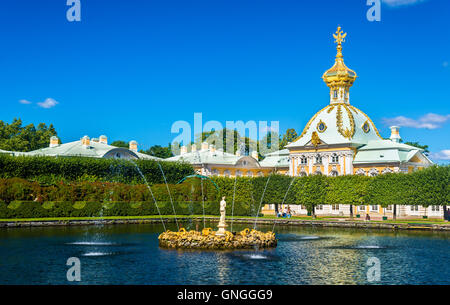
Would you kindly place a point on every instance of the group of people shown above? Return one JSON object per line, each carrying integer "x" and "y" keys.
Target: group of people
{"x": 285, "y": 213}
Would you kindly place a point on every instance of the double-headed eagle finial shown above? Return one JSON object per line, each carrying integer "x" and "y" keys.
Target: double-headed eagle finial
{"x": 339, "y": 36}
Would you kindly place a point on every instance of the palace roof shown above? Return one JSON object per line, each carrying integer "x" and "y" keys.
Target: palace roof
{"x": 93, "y": 149}
{"x": 276, "y": 159}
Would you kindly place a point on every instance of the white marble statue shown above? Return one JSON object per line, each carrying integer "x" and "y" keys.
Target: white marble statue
{"x": 223, "y": 205}
{"x": 222, "y": 225}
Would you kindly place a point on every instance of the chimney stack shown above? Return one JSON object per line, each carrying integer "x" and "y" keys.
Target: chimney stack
{"x": 54, "y": 141}
{"x": 213, "y": 148}
{"x": 395, "y": 134}
{"x": 103, "y": 139}
{"x": 85, "y": 142}
{"x": 238, "y": 153}
{"x": 193, "y": 148}
{"x": 133, "y": 146}
{"x": 205, "y": 146}
{"x": 183, "y": 150}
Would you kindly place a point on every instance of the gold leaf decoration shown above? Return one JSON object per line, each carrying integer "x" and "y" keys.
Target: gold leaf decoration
{"x": 346, "y": 133}
{"x": 315, "y": 140}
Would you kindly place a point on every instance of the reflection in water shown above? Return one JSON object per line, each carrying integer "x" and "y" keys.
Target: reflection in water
{"x": 222, "y": 268}
{"x": 129, "y": 254}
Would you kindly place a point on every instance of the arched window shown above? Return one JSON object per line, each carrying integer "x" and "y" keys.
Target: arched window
{"x": 318, "y": 159}
{"x": 249, "y": 174}
{"x": 303, "y": 160}
{"x": 215, "y": 172}
{"x": 226, "y": 173}
{"x": 238, "y": 174}
{"x": 260, "y": 174}
{"x": 318, "y": 173}
{"x": 334, "y": 158}
{"x": 335, "y": 94}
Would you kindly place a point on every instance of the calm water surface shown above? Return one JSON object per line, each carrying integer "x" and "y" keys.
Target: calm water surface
{"x": 129, "y": 254}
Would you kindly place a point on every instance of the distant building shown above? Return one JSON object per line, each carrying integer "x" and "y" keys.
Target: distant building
{"x": 211, "y": 162}
{"x": 85, "y": 147}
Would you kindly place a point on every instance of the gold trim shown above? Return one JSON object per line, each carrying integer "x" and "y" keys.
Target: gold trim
{"x": 309, "y": 124}
{"x": 325, "y": 126}
{"x": 373, "y": 125}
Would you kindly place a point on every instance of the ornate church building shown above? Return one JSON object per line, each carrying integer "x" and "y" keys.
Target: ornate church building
{"x": 340, "y": 139}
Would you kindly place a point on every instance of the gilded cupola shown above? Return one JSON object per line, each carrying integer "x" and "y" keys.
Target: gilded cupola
{"x": 339, "y": 78}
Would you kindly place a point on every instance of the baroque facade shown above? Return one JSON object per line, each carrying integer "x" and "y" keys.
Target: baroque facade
{"x": 340, "y": 139}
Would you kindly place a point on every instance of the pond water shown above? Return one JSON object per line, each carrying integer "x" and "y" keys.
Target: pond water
{"x": 129, "y": 254}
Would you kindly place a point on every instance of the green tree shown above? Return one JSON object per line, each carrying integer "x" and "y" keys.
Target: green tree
{"x": 159, "y": 151}
{"x": 431, "y": 186}
{"x": 311, "y": 191}
{"x": 390, "y": 189}
{"x": 350, "y": 189}
{"x": 288, "y": 137}
{"x": 416, "y": 144}
{"x": 15, "y": 137}
{"x": 120, "y": 143}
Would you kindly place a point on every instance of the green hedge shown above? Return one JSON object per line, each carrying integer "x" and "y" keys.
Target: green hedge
{"x": 425, "y": 187}
{"x": 51, "y": 170}
{"x": 33, "y": 209}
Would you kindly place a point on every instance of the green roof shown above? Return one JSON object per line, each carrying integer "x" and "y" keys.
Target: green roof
{"x": 94, "y": 150}
{"x": 278, "y": 158}
{"x": 386, "y": 151}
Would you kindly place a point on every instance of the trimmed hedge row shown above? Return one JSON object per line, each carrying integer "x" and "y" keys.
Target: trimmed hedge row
{"x": 51, "y": 170}
{"x": 33, "y": 209}
{"x": 17, "y": 189}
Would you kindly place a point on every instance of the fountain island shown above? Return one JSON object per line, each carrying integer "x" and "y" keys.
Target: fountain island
{"x": 217, "y": 240}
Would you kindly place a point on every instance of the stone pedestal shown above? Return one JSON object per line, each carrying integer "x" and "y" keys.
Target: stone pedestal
{"x": 221, "y": 226}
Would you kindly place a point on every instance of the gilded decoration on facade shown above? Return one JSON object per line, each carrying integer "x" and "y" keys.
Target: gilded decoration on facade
{"x": 321, "y": 126}
{"x": 315, "y": 140}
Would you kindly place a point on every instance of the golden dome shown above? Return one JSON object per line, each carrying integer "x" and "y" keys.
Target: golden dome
{"x": 339, "y": 76}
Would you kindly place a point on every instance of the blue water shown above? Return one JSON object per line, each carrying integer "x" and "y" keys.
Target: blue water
{"x": 129, "y": 254}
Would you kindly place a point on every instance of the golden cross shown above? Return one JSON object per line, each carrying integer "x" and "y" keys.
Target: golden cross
{"x": 339, "y": 36}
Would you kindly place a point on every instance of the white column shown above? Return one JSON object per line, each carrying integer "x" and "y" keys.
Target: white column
{"x": 341, "y": 164}
{"x": 325, "y": 161}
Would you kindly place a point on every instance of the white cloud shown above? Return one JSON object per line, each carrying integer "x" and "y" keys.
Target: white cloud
{"x": 427, "y": 121}
{"x": 25, "y": 102}
{"x": 441, "y": 155}
{"x": 48, "y": 103}
{"x": 399, "y": 3}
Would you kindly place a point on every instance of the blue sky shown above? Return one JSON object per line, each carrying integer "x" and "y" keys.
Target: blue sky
{"x": 130, "y": 69}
